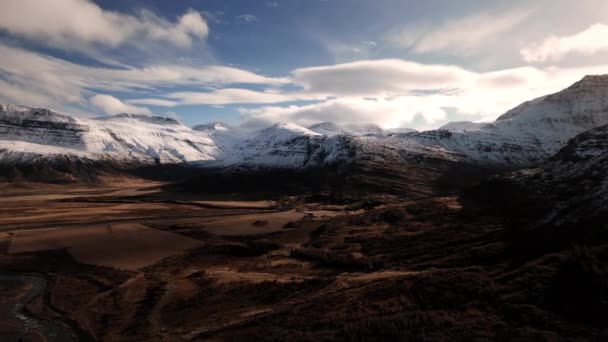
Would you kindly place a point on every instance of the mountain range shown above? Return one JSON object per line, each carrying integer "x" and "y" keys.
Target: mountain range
{"x": 522, "y": 137}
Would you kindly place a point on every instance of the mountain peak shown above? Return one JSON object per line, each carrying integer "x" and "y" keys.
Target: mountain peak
{"x": 593, "y": 83}
{"x": 292, "y": 127}
{"x": 364, "y": 129}
{"x": 158, "y": 120}
{"x": 330, "y": 128}
{"x": 325, "y": 125}
{"x": 215, "y": 126}
{"x": 286, "y": 129}
{"x": 36, "y": 114}
{"x": 327, "y": 128}
{"x": 587, "y": 97}
{"x": 462, "y": 126}
{"x": 594, "y": 79}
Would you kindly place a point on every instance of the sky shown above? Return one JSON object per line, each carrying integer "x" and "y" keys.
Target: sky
{"x": 254, "y": 63}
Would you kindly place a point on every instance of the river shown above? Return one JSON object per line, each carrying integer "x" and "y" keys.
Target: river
{"x": 50, "y": 330}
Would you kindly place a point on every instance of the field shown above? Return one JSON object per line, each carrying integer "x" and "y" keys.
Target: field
{"x": 133, "y": 260}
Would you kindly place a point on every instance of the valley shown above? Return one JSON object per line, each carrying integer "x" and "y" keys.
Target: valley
{"x": 470, "y": 232}
{"x": 132, "y": 259}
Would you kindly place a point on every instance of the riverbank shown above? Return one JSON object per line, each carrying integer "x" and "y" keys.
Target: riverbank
{"x": 19, "y": 290}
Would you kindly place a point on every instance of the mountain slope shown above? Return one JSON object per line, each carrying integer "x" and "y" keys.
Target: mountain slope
{"x": 559, "y": 204}
{"x": 327, "y": 128}
{"x": 288, "y": 145}
{"x": 570, "y": 186}
{"x": 331, "y": 129}
{"x": 216, "y": 126}
{"x": 524, "y": 136}
{"x": 462, "y": 126}
{"x": 29, "y": 134}
{"x": 364, "y": 129}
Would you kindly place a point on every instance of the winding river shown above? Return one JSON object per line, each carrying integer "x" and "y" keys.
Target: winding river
{"x": 50, "y": 330}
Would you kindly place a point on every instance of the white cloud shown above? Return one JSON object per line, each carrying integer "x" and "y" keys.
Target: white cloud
{"x": 227, "y": 96}
{"x": 390, "y": 92}
{"x": 19, "y": 94}
{"x": 171, "y": 115}
{"x": 236, "y": 96}
{"x": 247, "y": 18}
{"x": 395, "y": 93}
{"x": 368, "y": 79}
{"x": 462, "y": 36}
{"x": 48, "y": 81}
{"x": 387, "y": 77}
{"x": 349, "y": 52}
{"x": 351, "y": 110}
{"x": 554, "y": 48}
{"x": 111, "y": 105}
{"x": 76, "y": 24}
{"x": 153, "y": 102}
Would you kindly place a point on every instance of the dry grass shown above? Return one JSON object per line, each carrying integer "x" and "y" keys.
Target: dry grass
{"x": 377, "y": 268}
{"x": 123, "y": 246}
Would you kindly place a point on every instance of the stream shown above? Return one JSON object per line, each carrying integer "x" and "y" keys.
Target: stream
{"x": 50, "y": 330}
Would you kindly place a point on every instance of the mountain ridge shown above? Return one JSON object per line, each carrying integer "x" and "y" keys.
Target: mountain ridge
{"x": 524, "y": 136}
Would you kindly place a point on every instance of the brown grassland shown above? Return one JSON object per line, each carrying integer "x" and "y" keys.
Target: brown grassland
{"x": 134, "y": 260}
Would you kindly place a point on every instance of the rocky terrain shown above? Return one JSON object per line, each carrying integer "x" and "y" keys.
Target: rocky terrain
{"x": 569, "y": 187}
{"x": 560, "y": 202}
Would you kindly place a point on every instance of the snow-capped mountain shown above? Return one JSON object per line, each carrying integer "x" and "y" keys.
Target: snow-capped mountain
{"x": 557, "y": 118}
{"x": 328, "y": 128}
{"x": 400, "y": 130}
{"x": 224, "y": 136}
{"x": 213, "y": 127}
{"x": 364, "y": 129}
{"x": 282, "y": 131}
{"x": 28, "y": 133}
{"x": 331, "y": 129}
{"x": 462, "y": 126}
{"x": 288, "y": 145}
{"x": 524, "y": 136}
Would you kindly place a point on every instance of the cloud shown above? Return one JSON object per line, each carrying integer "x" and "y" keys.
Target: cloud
{"x": 226, "y": 96}
{"x": 462, "y": 36}
{"x": 368, "y": 79}
{"x": 554, "y": 48}
{"x": 111, "y": 105}
{"x": 171, "y": 115}
{"x": 79, "y": 24}
{"x": 19, "y": 94}
{"x": 348, "y": 52}
{"x": 390, "y": 92}
{"x": 389, "y": 112}
{"x": 395, "y": 93}
{"x": 46, "y": 81}
{"x": 387, "y": 77}
{"x": 236, "y": 96}
{"x": 153, "y": 102}
{"x": 247, "y": 18}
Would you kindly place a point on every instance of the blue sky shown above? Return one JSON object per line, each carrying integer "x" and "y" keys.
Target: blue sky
{"x": 394, "y": 63}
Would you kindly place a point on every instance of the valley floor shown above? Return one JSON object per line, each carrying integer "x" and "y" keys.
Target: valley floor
{"x": 130, "y": 261}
